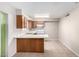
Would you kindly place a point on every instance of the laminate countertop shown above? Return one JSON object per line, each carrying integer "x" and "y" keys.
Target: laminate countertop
{"x": 31, "y": 36}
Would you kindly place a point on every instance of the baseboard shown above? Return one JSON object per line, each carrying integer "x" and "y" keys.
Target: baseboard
{"x": 70, "y": 48}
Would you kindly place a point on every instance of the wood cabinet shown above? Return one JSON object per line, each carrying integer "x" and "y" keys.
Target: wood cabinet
{"x": 33, "y": 24}
{"x": 30, "y": 24}
{"x": 21, "y": 22}
{"x": 30, "y": 45}
{"x": 24, "y": 22}
{"x": 36, "y": 23}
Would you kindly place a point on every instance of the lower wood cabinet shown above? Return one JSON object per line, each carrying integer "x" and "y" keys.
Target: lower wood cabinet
{"x": 30, "y": 45}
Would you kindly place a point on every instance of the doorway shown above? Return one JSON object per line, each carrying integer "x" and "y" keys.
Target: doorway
{"x": 3, "y": 34}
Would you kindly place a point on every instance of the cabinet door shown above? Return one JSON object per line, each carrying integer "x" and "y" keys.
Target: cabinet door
{"x": 37, "y": 45}
{"x": 30, "y": 24}
{"x": 19, "y": 45}
{"x": 23, "y": 45}
{"x": 19, "y": 21}
{"x": 24, "y": 22}
{"x": 34, "y": 24}
{"x": 32, "y": 45}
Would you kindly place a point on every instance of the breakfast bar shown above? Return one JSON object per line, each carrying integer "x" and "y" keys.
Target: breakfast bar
{"x": 30, "y": 43}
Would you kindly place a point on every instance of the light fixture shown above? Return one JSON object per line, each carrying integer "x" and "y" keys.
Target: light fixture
{"x": 41, "y": 15}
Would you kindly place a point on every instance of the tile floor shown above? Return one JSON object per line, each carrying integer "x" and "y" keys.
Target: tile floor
{"x": 53, "y": 48}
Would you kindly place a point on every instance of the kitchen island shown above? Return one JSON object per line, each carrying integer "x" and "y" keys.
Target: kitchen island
{"x": 30, "y": 43}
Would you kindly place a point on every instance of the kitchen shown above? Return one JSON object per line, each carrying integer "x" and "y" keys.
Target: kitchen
{"x": 40, "y": 29}
{"x": 32, "y": 40}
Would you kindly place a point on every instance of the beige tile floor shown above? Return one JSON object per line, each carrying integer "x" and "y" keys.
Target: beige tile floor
{"x": 53, "y": 48}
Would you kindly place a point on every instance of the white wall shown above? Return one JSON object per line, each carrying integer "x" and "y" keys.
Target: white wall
{"x": 6, "y": 8}
{"x": 69, "y": 31}
{"x": 51, "y": 28}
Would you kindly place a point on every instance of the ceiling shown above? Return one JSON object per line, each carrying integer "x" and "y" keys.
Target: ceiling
{"x": 54, "y": 9}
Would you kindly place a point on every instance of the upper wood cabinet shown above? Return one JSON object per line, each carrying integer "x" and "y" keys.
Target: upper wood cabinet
{"x": 38, "y": 23}
{"x": 21, "y": 22}
{"x": 34, "y": 24}
{"x": 24, "y": 21}
{"x": 30, "y": 24}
